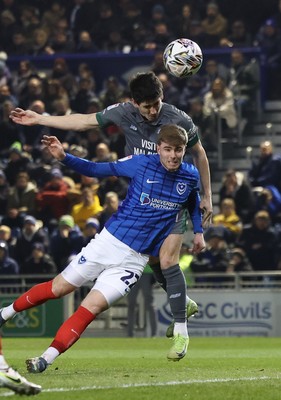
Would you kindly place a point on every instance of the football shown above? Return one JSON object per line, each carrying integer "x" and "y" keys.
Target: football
{"x": 182, "y": 58}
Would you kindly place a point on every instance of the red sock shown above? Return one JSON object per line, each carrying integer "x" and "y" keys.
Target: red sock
{"x": 72, "y": 328}
{"x": 35, "y": 296}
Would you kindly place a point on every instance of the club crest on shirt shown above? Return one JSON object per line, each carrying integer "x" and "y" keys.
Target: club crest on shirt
{"x": 144, "y": 198}
{"x": 181, "y": 188}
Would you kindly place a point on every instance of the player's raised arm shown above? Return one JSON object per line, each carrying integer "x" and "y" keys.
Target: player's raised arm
{"x": 55, "y": 147}
{"x": 75, "y": 122}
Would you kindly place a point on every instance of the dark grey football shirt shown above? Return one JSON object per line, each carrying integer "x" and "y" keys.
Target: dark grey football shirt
{"x": 140, "y": 134}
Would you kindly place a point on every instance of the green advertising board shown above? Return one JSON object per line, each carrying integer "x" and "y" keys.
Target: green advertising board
{"x": 39, "y": 321}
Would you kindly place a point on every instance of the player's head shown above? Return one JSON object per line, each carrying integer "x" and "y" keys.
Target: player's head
{"x": 175, "y": 135}
{"x": 147, "y": 94}
{"x": 145, "y": 86}
{"x": 171, "y": 146}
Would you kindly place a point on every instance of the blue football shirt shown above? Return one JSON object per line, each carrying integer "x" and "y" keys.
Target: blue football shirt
{"x": 155, "y": 197}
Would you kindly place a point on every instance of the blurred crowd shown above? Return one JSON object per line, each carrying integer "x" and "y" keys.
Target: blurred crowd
{"x": 47, "y": 212}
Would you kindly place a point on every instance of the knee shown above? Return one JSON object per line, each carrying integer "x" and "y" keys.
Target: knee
{"x": 167, "y": 260}
{"x": 61, "y": 287}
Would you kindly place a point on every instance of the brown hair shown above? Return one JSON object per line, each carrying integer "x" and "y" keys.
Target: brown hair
{"x": 173, "y": 134}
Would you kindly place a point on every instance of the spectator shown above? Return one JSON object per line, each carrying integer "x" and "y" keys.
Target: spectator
{"x": 182, "y": 21}
{"x": 269, "y": 199}
{"x": 203, "y": 122}
{"x": 157, "y": 65}
{"x": 105, "y": 22}
{"x": 132, "y": 19}
{"x": 32, "y": 135}
{"x": 112, "y": 91}
{"x": 94, "y": 137}
{"x": 238, "y": 37}
{"x": 212, "y": 71}
{"x": 52, "y": 199}
{"x": 88, "y": 207}
{"x": 111, "y": 204}
{"x": 214, "y": 258}
{"x": 9, "y": 133}
{"x": 170, "y": 92}
{"x": 31, "y": 232}
{"x": 82, "y": 13}
{"x": 235, "y": 186}
{"x": 269, "y": 39}
{"x": 103, "y": 153}
{"x": 266, "y": 169}
{"x": 158, "y": 16}
{"x": 18, "y": 161}
{"x": 259, "y": 241}
{"x": 8, "y": 25}
{"x": 40, "y": 170}
{"x": 40, "y": 44}
{"x": 61, "y": 43}
{"x": 66, "y": 240}
{"x": 244, "y": 82}
{"x": 84, "y": 95}
{"x": 116, "y": 43}
{"x": 5, "y": 73}
{"x": 115, "y": 184}
{"x": 92, "y": 227}
{"x": 159, "y": 37}
{"x": 145, "y": 285}
{"x": 6, "y": 94}
{"x": 238, "y": 262}
{"x": 54, "y": 91}
{"x": 22, "y": 196}
{"x": 38, "y": 263}
{"x": 8, "y": 265}
{"x": 21, "y": 77}
{"x": 62, "y": 72}
{"x": 6, "y": 236}
{"x": 62, "y": 106}
{"x": 85, "y": 43}
{"x": 192, "y": 88}
{"x": 214, "y": 25}
{"x": 34, "y": 91}
{"x": 228, "y": 218}
{"x": 52, "y": 15}
{"x": 219, "y": 103}
{"x": 29, "y": 19}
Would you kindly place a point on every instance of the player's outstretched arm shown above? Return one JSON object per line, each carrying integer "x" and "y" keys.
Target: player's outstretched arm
{"x": 75, "y": 122}
{"x": 23, "y": 117}
{"x": 55, "y": 147}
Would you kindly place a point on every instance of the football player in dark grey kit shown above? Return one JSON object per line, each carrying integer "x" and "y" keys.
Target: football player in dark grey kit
{"x": 140, "y": 120}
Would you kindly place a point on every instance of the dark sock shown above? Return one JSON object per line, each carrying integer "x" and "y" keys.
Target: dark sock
{"x": 157, "y": 272}
{"x": 176, "y": 291}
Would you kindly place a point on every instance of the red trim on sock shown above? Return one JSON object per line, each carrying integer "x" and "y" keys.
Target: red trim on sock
{"x": 71, "y": 330}
{"x": 35, "y": 296}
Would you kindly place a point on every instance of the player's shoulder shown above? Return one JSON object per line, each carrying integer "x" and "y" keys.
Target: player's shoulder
{"x": 190, "y": 169}
{"x": 176, "y": 115}
{"x": 120, "y": 107}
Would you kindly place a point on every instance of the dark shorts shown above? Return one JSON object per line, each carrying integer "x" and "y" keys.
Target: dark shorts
{"x": 180, "y": 226}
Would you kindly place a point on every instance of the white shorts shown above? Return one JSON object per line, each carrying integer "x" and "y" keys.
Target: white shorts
{"x": 112, "y": 265}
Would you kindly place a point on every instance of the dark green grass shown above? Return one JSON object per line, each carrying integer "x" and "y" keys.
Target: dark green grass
{"x": 215, "y": 368}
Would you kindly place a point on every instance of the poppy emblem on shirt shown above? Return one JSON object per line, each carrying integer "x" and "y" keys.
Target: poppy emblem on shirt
{"x": 181, "y": 188}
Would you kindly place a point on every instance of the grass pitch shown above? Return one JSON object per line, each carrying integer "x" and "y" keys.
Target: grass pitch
{"x": 137, "y": 369}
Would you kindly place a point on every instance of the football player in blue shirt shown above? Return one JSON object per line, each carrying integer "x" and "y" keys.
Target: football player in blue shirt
{"x": 161, "y": 186}
{"x": 140, "y": 121}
